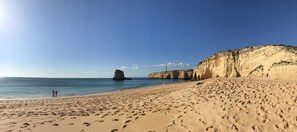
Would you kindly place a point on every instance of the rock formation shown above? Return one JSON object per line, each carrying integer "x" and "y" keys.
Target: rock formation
{"x": 272, "y": 61}
{"x": 176, "y": 74}
{"x": 119, "y": 75}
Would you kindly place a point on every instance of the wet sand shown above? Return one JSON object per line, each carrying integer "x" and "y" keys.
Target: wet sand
{"x": 218, "y": 104}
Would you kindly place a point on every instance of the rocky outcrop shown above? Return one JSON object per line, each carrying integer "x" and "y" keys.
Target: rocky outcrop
{"x": 175, "y": 74}
{"x": 272, "y": 61}
{"x": 119, "y": 75}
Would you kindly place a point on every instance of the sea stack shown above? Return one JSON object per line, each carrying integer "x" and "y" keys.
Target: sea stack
{"x": 118, "y": 75}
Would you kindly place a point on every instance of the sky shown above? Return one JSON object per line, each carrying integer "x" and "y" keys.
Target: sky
{"x": 92, "y": 38}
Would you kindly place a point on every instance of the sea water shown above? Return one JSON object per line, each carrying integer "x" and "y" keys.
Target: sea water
{"x": 15, "y": 87}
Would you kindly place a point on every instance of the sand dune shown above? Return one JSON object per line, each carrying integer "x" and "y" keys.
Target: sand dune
{"x": 218, "y": 104}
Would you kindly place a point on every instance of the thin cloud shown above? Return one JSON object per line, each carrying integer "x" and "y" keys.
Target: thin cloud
{"x": 183, "y": 64}
{"x": 134, "y": 68}
{"x": 170, "y": 64}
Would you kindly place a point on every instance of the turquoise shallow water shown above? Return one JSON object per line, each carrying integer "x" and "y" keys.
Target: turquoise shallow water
{"x": 13, "y": 88}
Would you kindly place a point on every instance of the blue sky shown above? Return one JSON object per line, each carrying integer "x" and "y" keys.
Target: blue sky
{"x": 91, "y": 38}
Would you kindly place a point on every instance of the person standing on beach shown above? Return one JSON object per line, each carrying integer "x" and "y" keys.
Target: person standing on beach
{"x": 53, "y": 93}
{"x": 56, "y": 93}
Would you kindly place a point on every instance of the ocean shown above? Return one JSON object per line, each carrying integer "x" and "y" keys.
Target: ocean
{"x": 16, "y": 87}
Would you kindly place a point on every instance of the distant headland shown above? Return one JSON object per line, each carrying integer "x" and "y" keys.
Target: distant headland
{"x": 175, "y": 74}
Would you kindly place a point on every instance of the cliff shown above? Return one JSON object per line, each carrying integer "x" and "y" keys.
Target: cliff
{"x": 271, "y": 61}
{"x": 175, "y": 74}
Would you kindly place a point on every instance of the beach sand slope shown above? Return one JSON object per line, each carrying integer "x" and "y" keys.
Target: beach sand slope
{"x": 217, "y": 104}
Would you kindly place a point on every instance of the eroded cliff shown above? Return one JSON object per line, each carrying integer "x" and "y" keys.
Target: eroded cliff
{"x": 175, "y": 74}
{"x": 272, "y": 61}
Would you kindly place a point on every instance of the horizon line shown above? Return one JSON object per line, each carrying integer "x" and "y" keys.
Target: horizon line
{"x": 60, "y": 77}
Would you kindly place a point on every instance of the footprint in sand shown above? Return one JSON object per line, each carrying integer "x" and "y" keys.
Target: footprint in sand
{"x": 55, "y": 124}
{"x": 70, "y": 124}
{"x": 286, "y": 125}
{"x": 255, "y": 128}
{"x": 25, "y": 125}
{"x": 87, "y": 123}
{"x": 114, "y": 130}
{"x": 234, "y": 127}
{"x": 127, "y": 121}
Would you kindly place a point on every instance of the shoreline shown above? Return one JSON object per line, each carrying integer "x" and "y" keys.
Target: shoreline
{"x": 143, "y": 87}
{"x": 94, "y": 94}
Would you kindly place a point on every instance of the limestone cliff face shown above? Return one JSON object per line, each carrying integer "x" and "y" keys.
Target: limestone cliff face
{"x": 176, "y": 74}
{"x": 272, "y": 61}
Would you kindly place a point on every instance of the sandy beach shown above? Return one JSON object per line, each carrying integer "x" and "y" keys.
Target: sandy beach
{"x": 217, "y": 104}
